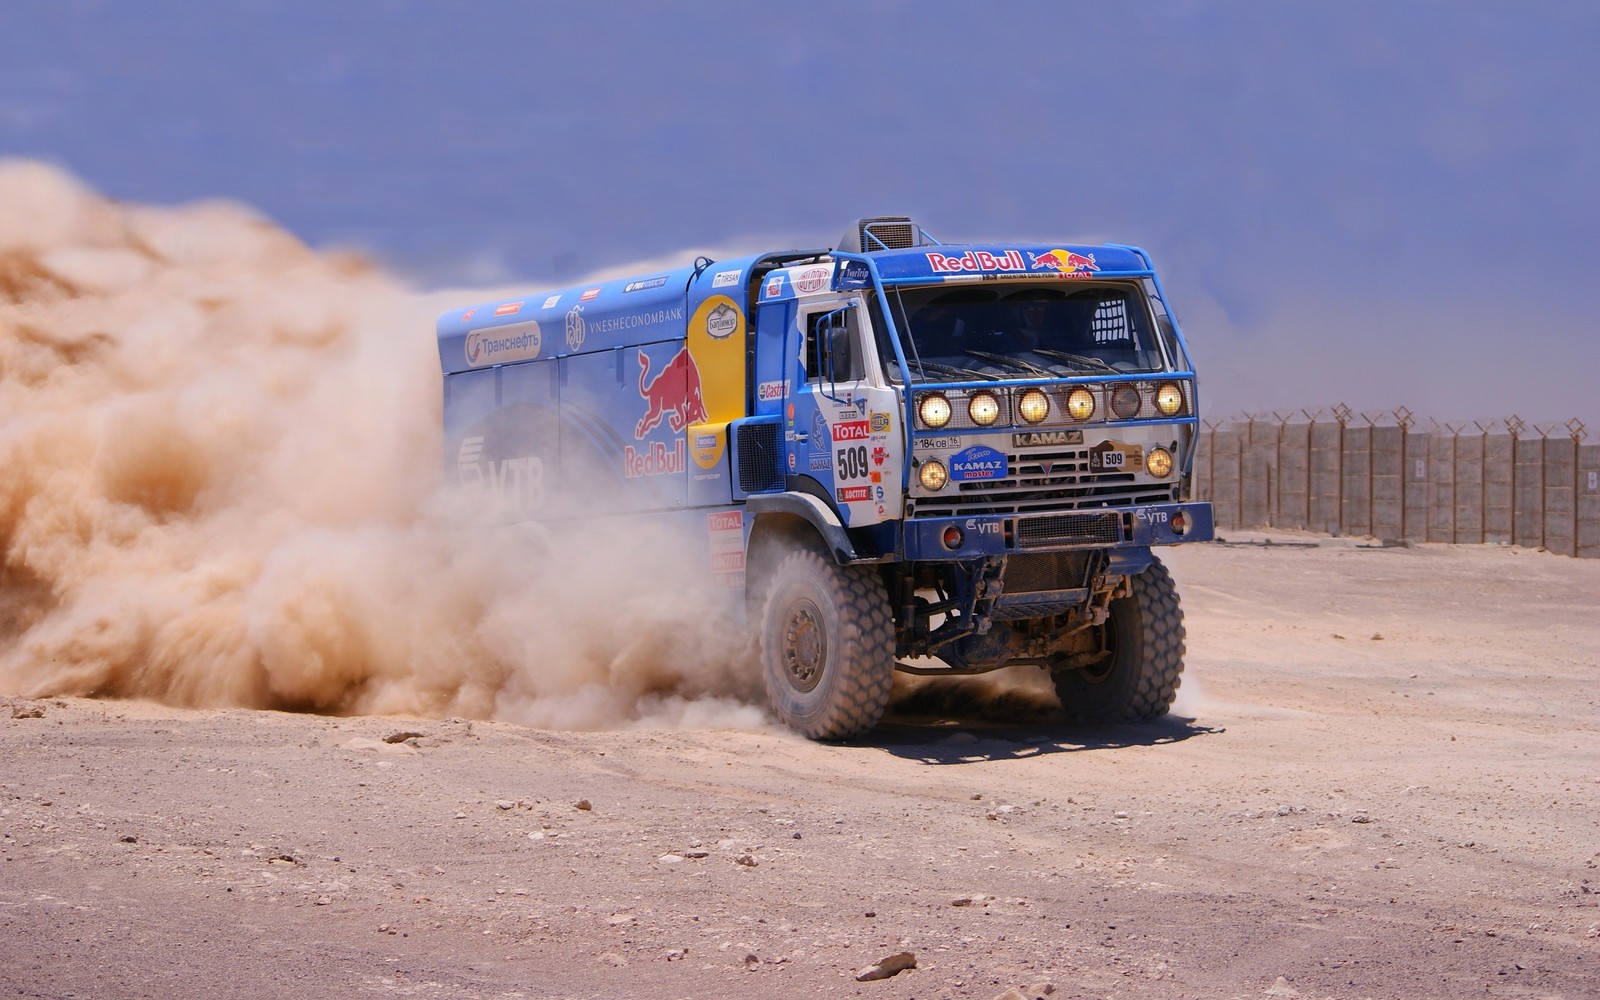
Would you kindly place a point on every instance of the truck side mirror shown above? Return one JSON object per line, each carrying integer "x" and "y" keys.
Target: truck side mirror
{"x": 835, "y": 341}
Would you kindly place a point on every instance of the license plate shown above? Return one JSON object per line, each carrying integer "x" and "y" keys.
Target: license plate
{"x": 1115, "y": 456}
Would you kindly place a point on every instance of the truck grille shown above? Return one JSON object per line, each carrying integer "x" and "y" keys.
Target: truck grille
{"x": 1036, "y": 572}
{"x": 1044, "y": 482}
{"x": 757, "y": 456}
{"x": 1068, "y": 529}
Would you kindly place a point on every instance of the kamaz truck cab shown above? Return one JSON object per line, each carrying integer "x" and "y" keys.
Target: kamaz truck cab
{"x": 899, "y": 450}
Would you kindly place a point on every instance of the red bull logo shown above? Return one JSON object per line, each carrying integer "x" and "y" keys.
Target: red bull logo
{"x": 1063, "y": 262}
{"x": 674, "y": 394}
{"x": 975, "y": 260}
{"x": 655, "y": 460}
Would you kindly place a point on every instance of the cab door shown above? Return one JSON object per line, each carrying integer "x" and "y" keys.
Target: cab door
{"x": 833, "y": 440}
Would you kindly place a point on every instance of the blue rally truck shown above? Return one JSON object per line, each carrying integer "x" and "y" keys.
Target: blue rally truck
{"x": 897, "y": 450}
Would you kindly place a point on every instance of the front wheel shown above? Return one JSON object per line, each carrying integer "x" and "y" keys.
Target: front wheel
{"x": 827, "y": 646}
{"x": 1139, "y": 677}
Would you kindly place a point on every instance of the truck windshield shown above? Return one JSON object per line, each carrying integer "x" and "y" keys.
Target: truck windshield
{"x": 1023, "y": 331}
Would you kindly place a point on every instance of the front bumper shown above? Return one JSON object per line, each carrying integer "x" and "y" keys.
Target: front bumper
{"x": 1094, "y": 528}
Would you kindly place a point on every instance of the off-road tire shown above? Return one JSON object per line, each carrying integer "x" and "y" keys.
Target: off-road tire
{"x": 1138, "y": 683}
{"x": 827, "y": 646}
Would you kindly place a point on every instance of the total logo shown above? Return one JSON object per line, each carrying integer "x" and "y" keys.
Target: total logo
{"x": 851, "y": 430}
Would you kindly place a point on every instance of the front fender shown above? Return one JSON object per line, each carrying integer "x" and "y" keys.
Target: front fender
{"x": 815, "y": 512}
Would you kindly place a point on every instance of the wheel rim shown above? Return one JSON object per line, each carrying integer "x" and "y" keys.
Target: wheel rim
{"x": 804, "y": 652}
{"x": 1098, "y": 671}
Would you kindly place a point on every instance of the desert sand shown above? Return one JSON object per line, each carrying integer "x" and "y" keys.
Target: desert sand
{"x": 1381, "y": 779}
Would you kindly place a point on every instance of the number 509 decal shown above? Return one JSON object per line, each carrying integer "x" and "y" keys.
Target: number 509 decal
{"x": 852, "y": 463}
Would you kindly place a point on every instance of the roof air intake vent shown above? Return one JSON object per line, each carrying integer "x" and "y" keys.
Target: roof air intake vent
{"x": 888, "y": 232}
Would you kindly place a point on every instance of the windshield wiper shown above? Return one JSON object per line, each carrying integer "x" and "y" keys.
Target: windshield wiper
{"x": 934, "y": 366}
{"x": 1076, "y": 359}
{"x": 1018, "y": 363}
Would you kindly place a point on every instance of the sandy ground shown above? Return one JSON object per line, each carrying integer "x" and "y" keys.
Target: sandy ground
{"x": 1382, "y": 779}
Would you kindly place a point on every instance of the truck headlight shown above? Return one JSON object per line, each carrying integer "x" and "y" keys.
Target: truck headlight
{"x": 1125, "y": 401}
{"x": 933, "y": 475}
{"x": 934, "y": 409}
{"x": 1159, "y": 463}
{"x": 983, "y": 408}
{"x": 1169, "y": 399}
{"x": 1034, "y": 406}
{"x": 1080, "y": 403}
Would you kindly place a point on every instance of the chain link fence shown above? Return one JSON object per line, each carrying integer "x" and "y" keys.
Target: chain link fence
{"x": 1390, "y": 476}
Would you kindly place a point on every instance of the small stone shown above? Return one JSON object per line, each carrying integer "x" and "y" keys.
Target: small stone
{"x": 676, "y": 954}
{"x": 401, "y": 737}
{"x": 671, "y": 859}
{"x": 1360, "y": 818}
{"x": 696, "y": 854}
{"x": 961, "y": 901}
{"x": 130, "y": 840}
{"x": 583, "y": 805}
{"x": 796, "y": 835}
{"x": 504, "y": 804}
{"x": 324, "y": 900}
{"x": 1119, "y": 814}
{"x": 891, "y": 966}
{"x": 748, "y": 860}
{"x": 461, "y": 815}
{"x": 536, "y": 835}
{"x": 1281, "y": 988}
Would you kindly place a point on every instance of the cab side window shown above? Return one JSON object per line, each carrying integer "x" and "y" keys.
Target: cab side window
{"x": 831, "y": 337}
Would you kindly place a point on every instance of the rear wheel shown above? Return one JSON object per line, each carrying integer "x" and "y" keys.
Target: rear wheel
{"x": 827, "y": 646}
{"x": 1144, "y": 639}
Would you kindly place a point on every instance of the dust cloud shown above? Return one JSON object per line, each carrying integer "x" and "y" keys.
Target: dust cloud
{"x": 219, "y": 487}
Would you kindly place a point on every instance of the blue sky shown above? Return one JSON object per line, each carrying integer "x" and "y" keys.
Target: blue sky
{"x": 1371, "y": 203}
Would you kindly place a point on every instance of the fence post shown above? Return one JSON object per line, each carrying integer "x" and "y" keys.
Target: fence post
{"x": 1576, "y": 429}
{"x": 1514, "y": 427}
{"x": 1403, "y": 418}
{"x": 1341, "y": 413}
